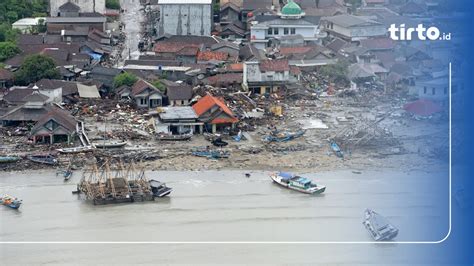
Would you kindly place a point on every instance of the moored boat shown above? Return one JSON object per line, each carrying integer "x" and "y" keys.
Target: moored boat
{"x": 44, "y": 159}
{"x": 336, "y": 149}
{"x": 159, "y": 189}
{"x": 298, "y": 183}
{"x": 11, "y": 202}
{"x": 378, "y": 226}
{"x": 9, "y": 159}
{"x": 76, "y": 149}
{"x": 212, "y": 154}
{"x": 283, "y": 137}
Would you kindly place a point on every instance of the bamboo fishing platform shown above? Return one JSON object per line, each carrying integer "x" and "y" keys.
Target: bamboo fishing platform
{"x": 118, "y": 183}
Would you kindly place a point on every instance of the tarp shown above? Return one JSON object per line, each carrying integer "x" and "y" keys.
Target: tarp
{"x": 422, "y": 107}
{"x": 285, "y": 175}
{"x": 87, "y": 91}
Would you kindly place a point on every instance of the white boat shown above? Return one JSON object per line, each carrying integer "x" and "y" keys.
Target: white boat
{"x": 76, "y": 149}
{"x": 378, "y": 226}
{"x": 298, "y": 183}
{"x": 109, "y": 144}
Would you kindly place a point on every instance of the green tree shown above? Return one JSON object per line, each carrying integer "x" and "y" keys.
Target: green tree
{"x": 7, "y": 34}
{"x": 125, "y": 79}
{"x": 336, "y": 72}
{"x": 112, "y": 4}
{"x": 157, "y": 83}
{"x": 7, "y": 50}
{"x": 34, "y": 68}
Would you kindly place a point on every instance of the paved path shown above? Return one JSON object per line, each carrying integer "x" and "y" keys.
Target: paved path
{"x": 132, "y": 19}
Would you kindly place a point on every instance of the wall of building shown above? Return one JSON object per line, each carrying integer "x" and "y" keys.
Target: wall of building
{"x": 85, "y": 5}
{"x": 194, "y": 19}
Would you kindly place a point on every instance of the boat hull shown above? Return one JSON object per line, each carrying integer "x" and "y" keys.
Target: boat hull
{"x": 317, "y": 190}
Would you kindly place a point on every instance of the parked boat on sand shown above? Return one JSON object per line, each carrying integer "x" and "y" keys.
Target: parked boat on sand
{"x": 336, "y": 149}
{"x": 212, "y": 154}
{"x": 11, "y": 202}
{"x": 44, "y": 159}
{"x": 9, "y": 159}
{"x": 169, "y": 137}
{"x": 298, "y": 183}
{"x": 76, "y": 149}
{"x": 109, "y": 144}
{"x": 378, "y": 226}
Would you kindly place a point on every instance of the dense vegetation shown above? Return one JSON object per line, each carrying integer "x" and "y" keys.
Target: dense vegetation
{"x": 112, "y": 4}
{"x": 36, "y": 67}
{"x": 336, "y": 72}
{"x": 7, "y": 50}
{"x": 125, "y": 79}
{"x": 157, "y": 83}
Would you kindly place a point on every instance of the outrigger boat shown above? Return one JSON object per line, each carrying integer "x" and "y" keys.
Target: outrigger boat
{"x": 76, "y": 149}
{"x": 44, "y": 159}
{"x": 298, "y": 183}
{"x": 378, "y": 226}
{"x": 159, "y": 189}
{"x": 9, "y": 159}
{"x": 11, "y": 202}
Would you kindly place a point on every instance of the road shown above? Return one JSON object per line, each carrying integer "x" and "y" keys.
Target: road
{"x": 132, "y": 18}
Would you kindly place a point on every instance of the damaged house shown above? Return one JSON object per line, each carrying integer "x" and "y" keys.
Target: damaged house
{"x": 56, "y": 126}
{"x": 144, "y": 94}
{"x": 215, "y": 114}
{"x": 268, "y": 76}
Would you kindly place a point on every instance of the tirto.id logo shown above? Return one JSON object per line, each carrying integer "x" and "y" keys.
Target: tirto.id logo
{"x": 405, "y": 34}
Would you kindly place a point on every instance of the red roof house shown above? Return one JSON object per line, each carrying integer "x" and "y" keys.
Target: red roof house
{"x": 214, "y": 111}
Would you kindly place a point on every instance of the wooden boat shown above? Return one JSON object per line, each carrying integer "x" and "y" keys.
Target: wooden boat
{"x": 378, "y": 226}
{"x": 159, "y": 189}
{"x": 219, "y": 143}
{"x": 283, "y": 137}
{"x": 109, "y": 145}
{"x": 169, "y": 137}
{"x": 212, "y": 154}
{"x": 44, "y": 159}
{"x": 297, "y": 183}
{"x": 335, "y": 148}
{"x": 11, "y": 202}
{"x": 9, "y": 159}
{"x": 76, "y": 149}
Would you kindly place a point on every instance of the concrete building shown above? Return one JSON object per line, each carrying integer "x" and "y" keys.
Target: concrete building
{"x": 268, "y": 76}
{"x": 185, "y": 17}
{"x": 352, "y": 28}
{"x": 86, "y": 6}
{"x": 26, "y": 25}
{"x": 290, "y": 22}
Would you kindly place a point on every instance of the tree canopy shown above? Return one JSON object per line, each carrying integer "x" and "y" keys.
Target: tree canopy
{"x": 112, "y": 4}
{"x": 125, "y": 79}
{"x": 157, "y": 83}
{"x": 36, "y": 67}
{"x": 336, "y": 72}
{"x": 12, "y": 10}
{"x": 7, "y": 50}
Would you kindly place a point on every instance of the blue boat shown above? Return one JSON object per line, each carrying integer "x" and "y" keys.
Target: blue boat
{"x": 336, "y": 149}
{"x": 9, "y": 159}
{"x": 298, "y": 183}
{"x": 11, "y": 202}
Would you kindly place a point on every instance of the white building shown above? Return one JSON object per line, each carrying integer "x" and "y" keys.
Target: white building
{"x": 86, "y": 6}
{"x": 352, "y": 28}
{"x": 26, "y": 25}
{"x": 185, "y": 17}
{"x": 290, "y": 22}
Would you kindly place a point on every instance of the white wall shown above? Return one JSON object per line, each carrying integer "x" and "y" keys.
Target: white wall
{"x": 85, "y": 5}
{"x": 185, "y": 19}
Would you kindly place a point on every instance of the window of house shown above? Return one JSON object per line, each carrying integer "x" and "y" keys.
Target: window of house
{"x": 270, "y": 31}
{"x": 285, "y": 31}
{"x": 424, "y": 90}
{"x": 275, "y": 31}
{"x": 433, "y": 91}
{"x": 293, "y": 31}
{"x": 51, "y": 125}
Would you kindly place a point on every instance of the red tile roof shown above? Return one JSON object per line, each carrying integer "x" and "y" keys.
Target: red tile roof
{"x": 295, "y": 70}
{"x": 274, "y": 65}
{"x": 5, "y": 74}
{"x": 172, "y": 47}
{"x": 238, "y": 67}
{"x": 207, "y": 102}
{"x": 209, "y": 55}
{"x": 226, "y": 78}
{"x": 140, "y": 86}
{"x": 189, "y": 51}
